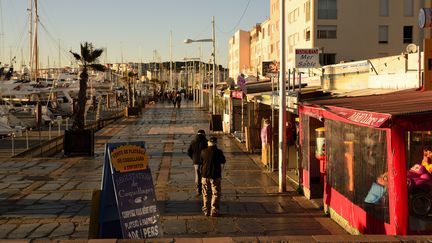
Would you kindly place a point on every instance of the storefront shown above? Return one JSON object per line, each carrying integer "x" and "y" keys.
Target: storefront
{"x": 370, "y": 176}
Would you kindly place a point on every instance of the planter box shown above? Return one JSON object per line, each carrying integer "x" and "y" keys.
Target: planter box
{"x": 132, "y": 111}
{"x": 79, "y": 142}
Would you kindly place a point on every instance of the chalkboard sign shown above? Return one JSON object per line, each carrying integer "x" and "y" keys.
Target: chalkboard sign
{"x": 128, "y": 202}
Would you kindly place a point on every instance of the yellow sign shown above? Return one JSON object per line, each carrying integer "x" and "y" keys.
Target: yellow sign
{"x": 129, "y": 158}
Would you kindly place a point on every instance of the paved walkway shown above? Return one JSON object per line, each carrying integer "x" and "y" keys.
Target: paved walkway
{"x": 50, "y": 198}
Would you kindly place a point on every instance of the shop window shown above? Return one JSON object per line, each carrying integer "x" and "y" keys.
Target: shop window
{"x": 359, "y": 171}
{"x": 419, "y": 179}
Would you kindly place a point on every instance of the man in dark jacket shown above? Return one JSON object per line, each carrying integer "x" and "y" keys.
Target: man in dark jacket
{"x": 194, "y": 152}
{"x": 213, "y": 159}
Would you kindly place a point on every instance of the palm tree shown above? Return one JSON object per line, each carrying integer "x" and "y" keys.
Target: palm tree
{"x": 130, "y": 76}
{"x": 88, "y": 60}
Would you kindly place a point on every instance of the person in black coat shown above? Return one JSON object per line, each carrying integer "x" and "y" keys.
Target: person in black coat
{"x": 194, "y": 152}
{"x": 212, "y": 159}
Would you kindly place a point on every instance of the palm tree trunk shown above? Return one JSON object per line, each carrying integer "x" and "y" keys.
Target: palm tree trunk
{"x": 130, "y": 94}
{"x": 78, "y": 123}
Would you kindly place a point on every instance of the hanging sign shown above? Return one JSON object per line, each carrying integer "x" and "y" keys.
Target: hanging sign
{"x": 241, "y": 81}
{"x": 425, "y": 18}
{"x": 307, "y": 58}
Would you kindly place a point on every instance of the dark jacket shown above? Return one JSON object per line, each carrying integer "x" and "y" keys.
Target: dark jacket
{"x": 194, "y": 150}
{"x": 212, "y": 159}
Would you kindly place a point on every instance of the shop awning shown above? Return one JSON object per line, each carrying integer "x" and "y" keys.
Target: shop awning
{"x": 376, "y": 110}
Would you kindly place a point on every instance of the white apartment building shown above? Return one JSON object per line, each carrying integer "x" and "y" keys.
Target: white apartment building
{"x": 350, "y": 30}
{"x": 344, "y": 30}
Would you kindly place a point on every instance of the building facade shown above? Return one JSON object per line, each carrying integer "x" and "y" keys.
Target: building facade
{"x": 351, "y": 30}
{"x": 343, "y": 30}
{"x": 239, "y": 53}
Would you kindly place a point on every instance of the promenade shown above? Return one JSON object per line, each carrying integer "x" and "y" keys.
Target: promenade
{"x": 50, "y": 198}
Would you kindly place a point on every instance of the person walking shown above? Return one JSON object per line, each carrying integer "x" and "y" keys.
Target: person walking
{"x": 173, "y": 98}
{"x": 212, "y": 159}
{"x": 194, "y": 152}
{"x": 178, "y": 100}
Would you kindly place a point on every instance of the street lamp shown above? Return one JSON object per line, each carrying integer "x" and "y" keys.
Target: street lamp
{"x": 213, "y": 40}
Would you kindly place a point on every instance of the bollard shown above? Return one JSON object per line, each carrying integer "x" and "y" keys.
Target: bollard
{"x": 27, "y": 140}
{"x": 59, "y": 128}
{"x": 13, "y": 143}
{"x": 49, "y": 131}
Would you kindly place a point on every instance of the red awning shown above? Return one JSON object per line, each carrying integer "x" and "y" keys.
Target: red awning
{"x": 364, "y": 118}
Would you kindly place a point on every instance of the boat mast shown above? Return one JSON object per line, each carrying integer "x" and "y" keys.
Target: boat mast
{"x": 31, "y": 37}
{"x": 35, "y": 46}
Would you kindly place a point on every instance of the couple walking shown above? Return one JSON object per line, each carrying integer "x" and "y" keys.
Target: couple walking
{"x": 208, "y": 161}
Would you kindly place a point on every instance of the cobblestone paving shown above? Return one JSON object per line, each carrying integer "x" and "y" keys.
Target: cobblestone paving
{"x": 50, "y": 198}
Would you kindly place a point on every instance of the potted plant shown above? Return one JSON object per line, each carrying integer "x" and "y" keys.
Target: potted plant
{"x": 78, "y": 140}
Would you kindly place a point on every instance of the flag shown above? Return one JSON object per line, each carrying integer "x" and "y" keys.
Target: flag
{"x": 242, "y": 83}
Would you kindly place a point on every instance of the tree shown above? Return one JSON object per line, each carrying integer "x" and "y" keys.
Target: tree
{"x": 130, "y": 76}
{"x": 88, "y": 59}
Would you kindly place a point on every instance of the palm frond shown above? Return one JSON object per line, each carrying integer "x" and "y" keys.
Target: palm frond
{"x": 98, "y": 67}
{"x": 132, "y": 74}
{"x": 76, "y": 55}
{"x": 86, "y": 49}
{"x": 95, "y": 54}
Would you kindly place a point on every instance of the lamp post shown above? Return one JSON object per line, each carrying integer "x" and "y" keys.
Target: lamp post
{"x": 213, "y": 40}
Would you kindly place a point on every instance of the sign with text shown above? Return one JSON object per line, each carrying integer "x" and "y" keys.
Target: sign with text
{"x": 129, "y": 157}
{"x": 307, "y": 58}
{"x": 269, "y": 68}
{"x": 136, "y": 202}
{"x": 128, "y": 199}
{"x": 365, "y": 118}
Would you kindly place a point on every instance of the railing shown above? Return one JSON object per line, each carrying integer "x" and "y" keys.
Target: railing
{"x": 55, "y": 145}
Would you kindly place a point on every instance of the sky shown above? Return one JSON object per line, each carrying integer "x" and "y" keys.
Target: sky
{"x": 130, "y": 30}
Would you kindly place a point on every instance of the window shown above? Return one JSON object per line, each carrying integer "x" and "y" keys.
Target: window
{"x": 383, "y": 34}
{"x": 327, "y": 58}
{"x": 307, "y": 10}
{"x": 307, "y": 34}
{"x": 357, "y": 166}
{"x": 327, "y": 9}
{"x": 408, "y": 8}
{"x": 407, "y": 34}
{"x": 326, "y": 31}
{"x": 384, "y": 8}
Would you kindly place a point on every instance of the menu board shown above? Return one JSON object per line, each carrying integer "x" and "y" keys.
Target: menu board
{"x": 130, "y": 184}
